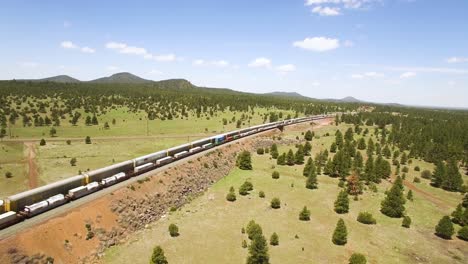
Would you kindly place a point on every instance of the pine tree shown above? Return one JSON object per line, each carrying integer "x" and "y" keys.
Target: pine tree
{"x": 304, "y": 215}
{"x": 439, "y": 174}
{"x": 386, "y": 152}
{"x": 231, "y": 196}
{"x": 274, "y": 239}
{"x": 173, "y": 230}
{"x": 275, "y": 203}
{"x": 328, "y": 167}
{"x": 253, "y": 229}
{"x": 370, "y": 147}
{"x": 258, "y": 251}
{"x": 406, "y": 222}
{"x": 244, "y": 160}
{"x": 361, "y": 144}
{"x": 444, "y": 228}
{"x": 358, "y": 162}
{"x": 275, "y": 175}
{"x": 333, "y": 147}
{"x": 340, "y": 234}
{"x": 409, "y": 196}
{"x": 88, "y": 140}
{"x": 311, "y": 182}
{"x": 308, "y": 135}
{"x": 339, "y": 138}
{"x": 299, "y": 156}
{"x": 342, "y": 203}
{"x": 290, "y": 158}
{"x": 465, "y": 201}
{"x": 404, "y": 158}
{"x": 369, "y": 171}
{"x": 281, "y": 159}
{"x": 307, "y": 148}
{"x": 457, "y": 215}
{"x": 463, "y": 233}
{"x": 354, "y": 184}
{"x": 453, "y": 180}
{"x": 306, "y": 170}
{"x": 158, "y": 256}
{"x": 394, "y": 203}
{"x": 274, "y": 151}
{"x": 42, "y": 143}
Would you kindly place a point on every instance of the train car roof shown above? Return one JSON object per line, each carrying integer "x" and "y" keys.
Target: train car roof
{"x": 178, "y": 147}
{"x": 151, "y": 154}
{"x": 117, "y": 165}
{"x": 21, "y": 195}
{"x": 199, "y": 140}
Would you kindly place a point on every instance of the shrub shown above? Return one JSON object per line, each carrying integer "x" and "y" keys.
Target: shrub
{"x": 409, "y": 196}
{"x": 405, "y": 169}
{"x": 275, "y": 175}
{"x": 43, "y": 142}
{"x": 245, "y": 188}
{"x": 261, "y": 194}
{"x": 357, "y": 258}
{"x": 340, "y": 234}
{"x": 274, "y": 239}
{"x": 244, "y": 160}
{"x": 366, "y": 218}
{"x": 68, "y": 142}
{"x": 231, "y": 196}
{"x": 444, "y": 228}
{"x": 304, "y": 215}
{"x": 8, "y": 174}
{"x": 88, "y": 140}
{"x": 406, "y": 222}
{"x": 73, "y": 162}
{"x": 463, "y": 233}
{"x": 426, "y": 174}
{"x": 173, "y": 230}
{"x": 416, "y": 168}
{"x": 158, "y": 255}
{"x": 275, "y": 203}
{"x": 244, "y": 244}
{"x": 416, "y": 180}
{"x": 260, "y": 151}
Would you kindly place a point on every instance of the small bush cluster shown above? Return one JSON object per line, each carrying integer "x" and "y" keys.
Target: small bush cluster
{"x": 366, "y": 218}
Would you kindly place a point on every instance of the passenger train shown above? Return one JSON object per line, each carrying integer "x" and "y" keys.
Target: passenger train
{"x": 27, "y": 204}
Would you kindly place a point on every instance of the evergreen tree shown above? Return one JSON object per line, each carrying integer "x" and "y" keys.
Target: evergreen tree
{"x": 274, "y": 151}
{"x": 457, "y": 215}
{"x": 308, "y": 135}
{"x": 340, "y": 234}
{"x": 339, "y": 138}
{"x": 369, "y": 171}
{"x": 281, "y": 159}
{"x": 244, "y": 160}
{"x": 304, "y": 215}
{"x": 453, "y": 180}
{"x": 358, "y": 162}
{"x": 370, "y": 147}
{"x": 404, "y": 158}
{"x": 307, "y": 167}
{"x": 275, "y": 175}
{"x": 409, "y": 196}
{"x": 354, "y": 185}
{"x": 349, "y": 134}
{"x": 88, "y": 140}
{"x": 275, "y": 203}
{"x": 299, "y": 156}
{"x": 173, "y": 230}
{"x": 463, "y": 233}
{"x": 342, "y": 203}
{"x": 253, "y": 229}
{"x": 290, "y": 158}
{"x": 307, "y": 148}
{"x": 42, "y": 143}
{"x": 333, "y": 147}
{"x": 231, "y": 196}
{"x": 394, "y": 203}
{"x": 311, "y": 182}
{"x": 361, "y": 144}
{"x": 438, "y": 177}
{"x": 328, "y": 167}
{"x": 406, "y": 221}
{"x": 444, "y": 228}
{"x": 158, "y": 256}
{"x": 386, "y": 152}
{"x": 357, "y": 258}
{"x": 258, "y": 251}
{"x": 465, "y": 201}
{"x": 274, "y": 239}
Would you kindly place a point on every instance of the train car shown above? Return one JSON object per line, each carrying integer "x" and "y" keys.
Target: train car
{"x": 149, "y": 158}
{"x": 18, "y": 201}
{"x": 200, "y": 142}
{"x": 40, "y": 207}
{"x": 113, "y": 179}
{"x": 232, "y": 135}
{"x": 207, "y": 146}
{"x": 219, "y": 139}
{"x": 8, "y": 218}
{"x": 2, "y": 206}
{"x": 106, "y": 172}
{"x": 195, "y": 149}
{"x": 143, "y": 167}
{"x": 181, "y": 154}
{"x": 174, "y": 150}
{"x": 81, "y": 191}
{"x": 164, "y": 161}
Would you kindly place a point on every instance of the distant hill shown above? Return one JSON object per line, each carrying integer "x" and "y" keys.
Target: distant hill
{"x": 122, "y": 77}
{"x": 287, "y": 94}
{"x": 347, "y": 99}
{"x": 175, "y": 83}
{"x": 58, "y": 78}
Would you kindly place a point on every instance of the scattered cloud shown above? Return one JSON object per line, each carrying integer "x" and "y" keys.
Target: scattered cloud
{"x": 216, "y": 63}
{"x": 429, "y": 69}
{"x": 369, "y": 75}
{"x": 457, "y": 60}
{"x": 348, "y": 43}
{"x": 123, "y": 48}
{"x": 407, "y": 75}
{"x": 326, "y": 11}
{"x": 70, "y": 45}
{"x": 318, "y": 44}
{"x": 286, "y": 68}
{"x": 260, "y": 62}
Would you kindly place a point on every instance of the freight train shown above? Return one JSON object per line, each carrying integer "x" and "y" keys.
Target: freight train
{"x": 27, "y": 204}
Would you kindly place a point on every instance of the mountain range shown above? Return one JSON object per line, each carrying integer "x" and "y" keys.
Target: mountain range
{"x": 128, "y": 78}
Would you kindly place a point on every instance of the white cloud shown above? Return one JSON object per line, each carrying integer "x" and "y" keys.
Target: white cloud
{"x": 139, "y": 51}
{"x": 216, "y": 63}
{"x": 368, "y": 75}
{"x": 319, "y": 44}
{"x": 457, "y": 59}
{"x": 286, "y": 68}
{"x": 407, "y": 75}
{"x": 260, "y": 62}
{"x": 220, "y": 63}
{"x": 326, "y": 11}
{"x": 87, "y": 50}
{"x": 68, "y": 45}
{"x": 429, "y": 69}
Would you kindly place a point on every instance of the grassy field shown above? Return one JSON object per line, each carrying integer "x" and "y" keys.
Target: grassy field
{"x": 12, "y": 160}
{"x": 210, "y": 227}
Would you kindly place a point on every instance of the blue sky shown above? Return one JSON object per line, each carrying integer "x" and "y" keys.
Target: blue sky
{"x": 405, "y": 51}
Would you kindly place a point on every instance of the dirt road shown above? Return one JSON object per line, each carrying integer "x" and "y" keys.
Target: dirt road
{"x": 32, "y": 165}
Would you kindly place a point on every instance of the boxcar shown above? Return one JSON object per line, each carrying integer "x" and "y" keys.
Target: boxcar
{"x": 100, "y": 174}
{"x": 149, "y": 158}
{"x": 18, "y": 201}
